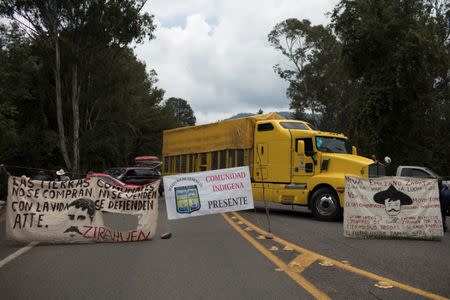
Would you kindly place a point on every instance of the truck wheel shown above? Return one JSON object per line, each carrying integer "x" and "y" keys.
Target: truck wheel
{"x": 325, "y": 204}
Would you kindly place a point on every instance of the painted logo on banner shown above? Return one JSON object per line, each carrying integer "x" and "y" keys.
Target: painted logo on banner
{"x": 187, "y": 199}
{"x": 392, "y": 199}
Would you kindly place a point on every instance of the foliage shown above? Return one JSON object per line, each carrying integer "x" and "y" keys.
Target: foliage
{"x": 380, "y": 73}
{"x": 182, "y": 113}
{"x": 398, "y": 52}
{"x": 319, "y": 89}
{"x": 24, "y": 134}
{"x": 121, "y": 114}
{"x": 71, "y": 35}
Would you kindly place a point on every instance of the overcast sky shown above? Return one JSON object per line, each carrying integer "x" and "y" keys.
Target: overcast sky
{"x": 215, "y": 54}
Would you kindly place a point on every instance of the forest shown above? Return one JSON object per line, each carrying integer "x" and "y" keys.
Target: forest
{"x": 74, "y": 95}
{"x": 379, "y": 72}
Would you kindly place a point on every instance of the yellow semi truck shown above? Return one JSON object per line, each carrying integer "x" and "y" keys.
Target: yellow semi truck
{"x": 290, "y": 162}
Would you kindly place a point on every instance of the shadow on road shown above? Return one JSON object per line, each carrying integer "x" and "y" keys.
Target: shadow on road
{"x": 288, "y": 213}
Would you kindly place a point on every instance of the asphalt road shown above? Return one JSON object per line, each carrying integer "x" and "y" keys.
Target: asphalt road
{"x": 421, "y": 264}
{"x": 217, "y": 257}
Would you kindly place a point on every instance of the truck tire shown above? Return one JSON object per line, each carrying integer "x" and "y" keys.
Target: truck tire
{"x": 325, "y": 204}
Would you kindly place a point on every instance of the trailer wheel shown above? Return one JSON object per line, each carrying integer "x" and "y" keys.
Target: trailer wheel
{"x": 325, "y": 204}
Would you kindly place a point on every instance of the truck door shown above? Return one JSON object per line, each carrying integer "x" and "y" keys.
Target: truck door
{"x": 302, "y": 164}
{"x": 261, "y": 161}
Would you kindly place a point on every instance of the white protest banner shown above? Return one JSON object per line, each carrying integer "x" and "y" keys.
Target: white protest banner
{"x": 392, "y": 207}
{"x": 77, "y": 210}
{"x": 210, "y": 192}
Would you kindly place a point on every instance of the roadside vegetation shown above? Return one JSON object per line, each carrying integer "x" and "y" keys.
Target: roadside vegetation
{"x": 74, "y": 95}
{"x": 72, "y": 92}
{"x": 379, "y": 72}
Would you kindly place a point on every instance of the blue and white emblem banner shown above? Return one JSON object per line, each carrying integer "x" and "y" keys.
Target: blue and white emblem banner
{"x": 210, "y": 192}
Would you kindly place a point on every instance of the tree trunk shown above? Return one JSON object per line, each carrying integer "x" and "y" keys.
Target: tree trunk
{"x": 76, "y": 120}
{"x": 59, "y": 112}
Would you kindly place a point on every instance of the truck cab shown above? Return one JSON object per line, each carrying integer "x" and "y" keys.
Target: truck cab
{"x": 295, "y": 164}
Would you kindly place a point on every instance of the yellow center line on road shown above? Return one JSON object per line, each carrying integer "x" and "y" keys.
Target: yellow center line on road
{"x": 302, "y": 261}
{"x": 299, "y": 279}
{"x": 341, "y": 265}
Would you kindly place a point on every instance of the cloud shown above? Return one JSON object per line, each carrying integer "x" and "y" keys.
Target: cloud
{"x": 215, "y": 54}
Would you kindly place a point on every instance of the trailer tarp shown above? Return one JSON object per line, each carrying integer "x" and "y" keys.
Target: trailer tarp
{"x": 229, "y": 134}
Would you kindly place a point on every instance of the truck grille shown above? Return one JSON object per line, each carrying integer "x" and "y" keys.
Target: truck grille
{"x": 377, "y": 170}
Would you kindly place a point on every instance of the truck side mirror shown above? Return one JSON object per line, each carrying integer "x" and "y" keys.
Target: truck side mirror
{"x": 354, "y": 150}
{"x": 301, "y": 147}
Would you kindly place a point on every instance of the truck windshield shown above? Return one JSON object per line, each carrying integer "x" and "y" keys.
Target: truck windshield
{"x": 332, "y": 145}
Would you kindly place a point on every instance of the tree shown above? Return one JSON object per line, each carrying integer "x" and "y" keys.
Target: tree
{"x": 8, "y": 133}
{"x": 25, "y": 134}
{"x": 122, "y": 120}
{"x": 74, "y": 32}
{"x": 398, "y": 51}
{"x": 296, "y": 46}
{"x": 8, "y": 111}
{"x": 319, "y": 89}
{"x": 181, "y": 111}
